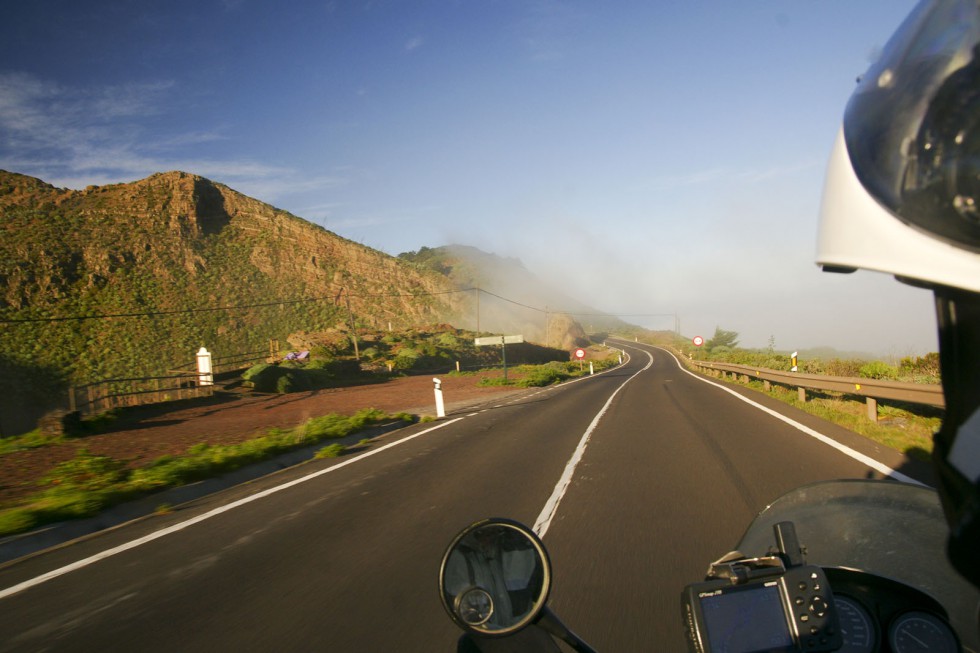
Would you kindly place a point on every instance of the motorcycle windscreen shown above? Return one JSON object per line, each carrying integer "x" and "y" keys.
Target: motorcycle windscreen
{"x": 886, "y": 528}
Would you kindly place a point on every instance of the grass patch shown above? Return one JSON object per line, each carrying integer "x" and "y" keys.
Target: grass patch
{"x": 538, "y": 376}
{"x": 89, "y": 483}
{"x": 896, "y": 428}
{"x": 334, "y": 450}
{"x": 496, "y": 381}
{"x": 30, "y": 440}
{"x": 37, "y": 438}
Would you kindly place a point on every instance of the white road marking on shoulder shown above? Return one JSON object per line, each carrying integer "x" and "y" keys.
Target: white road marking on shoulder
{"x": 856, "y": 455}
{"x": 108, "y": 553}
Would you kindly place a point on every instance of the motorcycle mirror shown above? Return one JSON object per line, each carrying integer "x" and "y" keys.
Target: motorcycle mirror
{"x": 495, "y": 577}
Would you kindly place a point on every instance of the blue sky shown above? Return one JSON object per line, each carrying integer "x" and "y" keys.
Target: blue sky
{"x": 644, "y": 157}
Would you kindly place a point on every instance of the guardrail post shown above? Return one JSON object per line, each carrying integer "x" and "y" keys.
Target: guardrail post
{"x": 767, "y": 385}
{"x": 873, "y": 409}
{"x": 802, "y": 394}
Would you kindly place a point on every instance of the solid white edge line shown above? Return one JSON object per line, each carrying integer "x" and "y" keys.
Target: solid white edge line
{"x": 543, "y": 522}
{"x": 108, "y": 553}
{"x": 856, "y": 455}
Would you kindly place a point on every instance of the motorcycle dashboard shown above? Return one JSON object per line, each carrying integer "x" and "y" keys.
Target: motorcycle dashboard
{"x": 879, "y": 614}
{"x": 895, "y": 533}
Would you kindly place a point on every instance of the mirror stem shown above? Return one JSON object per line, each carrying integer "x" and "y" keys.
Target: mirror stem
{"x": 553, "y": 625}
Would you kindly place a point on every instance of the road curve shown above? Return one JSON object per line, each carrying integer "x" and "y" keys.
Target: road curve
{"x": 346, "y": 558}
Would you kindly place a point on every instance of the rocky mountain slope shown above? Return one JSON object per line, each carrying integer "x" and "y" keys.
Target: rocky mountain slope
{"x": 183, "y": 262}
{"x": 129, "y": 280}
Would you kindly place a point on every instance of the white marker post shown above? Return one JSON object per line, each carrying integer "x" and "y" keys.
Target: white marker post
{"x": 204, "y": 373}
{"x": 440, "y": 404}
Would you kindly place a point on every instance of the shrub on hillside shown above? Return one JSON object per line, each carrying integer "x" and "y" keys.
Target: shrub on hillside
{"x": 275, "y": 378}
{"x": 406, "y": 358}
{"x": 921, "y": 369}
{"x": 838, "y": 367}
{"x": 878, "y": 370}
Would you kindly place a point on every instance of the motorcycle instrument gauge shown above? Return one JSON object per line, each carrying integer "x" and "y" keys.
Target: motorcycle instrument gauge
{"x": 856, "y": 625}
{"x": 922, "y": 631}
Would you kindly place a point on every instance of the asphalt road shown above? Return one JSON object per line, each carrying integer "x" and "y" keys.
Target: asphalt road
{"x": 346, "y": 558}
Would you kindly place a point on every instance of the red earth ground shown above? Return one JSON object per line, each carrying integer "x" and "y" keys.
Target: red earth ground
{"x": 140, "y": 435}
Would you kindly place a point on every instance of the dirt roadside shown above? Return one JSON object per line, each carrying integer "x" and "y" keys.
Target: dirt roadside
{"x": 143, "y": 434}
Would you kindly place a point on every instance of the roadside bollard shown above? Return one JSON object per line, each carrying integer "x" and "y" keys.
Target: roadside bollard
{"x": 591, "y": 369}
{"x": 440, "y": 405}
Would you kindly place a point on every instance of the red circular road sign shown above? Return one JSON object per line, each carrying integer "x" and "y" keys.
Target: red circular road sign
{"x": 698, "y": 341}
{"x": 580, "y": 354}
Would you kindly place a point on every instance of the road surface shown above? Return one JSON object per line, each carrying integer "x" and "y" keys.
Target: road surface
{"x": 343, "y": 554}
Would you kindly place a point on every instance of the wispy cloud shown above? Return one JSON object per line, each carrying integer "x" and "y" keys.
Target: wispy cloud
{"x": 59, "y": 130}
{"x": 75, "y": 137}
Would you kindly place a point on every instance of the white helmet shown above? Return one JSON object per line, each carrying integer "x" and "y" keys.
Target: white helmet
{"x": 903, "y": 196}
{"x": 902, "y": 193}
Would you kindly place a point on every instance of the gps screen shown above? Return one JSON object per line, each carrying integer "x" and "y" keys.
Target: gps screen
{"x": 747, "y": 620}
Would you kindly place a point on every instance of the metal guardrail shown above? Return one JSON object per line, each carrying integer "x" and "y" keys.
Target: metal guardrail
{"x": 872, "y": 390}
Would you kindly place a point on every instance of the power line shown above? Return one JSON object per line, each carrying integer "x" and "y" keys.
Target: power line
{"x": 212, "y": 309}
{"x": 511, "y": 301}
{"x": 306, "y": 300}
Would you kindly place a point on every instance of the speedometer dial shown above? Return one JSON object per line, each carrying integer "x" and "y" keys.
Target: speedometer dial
{"x": 856, "y": 625}
{"x": 922, "y": 631}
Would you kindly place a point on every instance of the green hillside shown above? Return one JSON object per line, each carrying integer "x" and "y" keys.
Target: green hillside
{"x": 179, "y": 262}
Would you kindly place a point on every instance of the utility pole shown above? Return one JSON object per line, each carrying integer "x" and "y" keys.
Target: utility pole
{"x": 477, "y": 308}
{"x": 547, "y": 323}
{"x": 353, "y": 328}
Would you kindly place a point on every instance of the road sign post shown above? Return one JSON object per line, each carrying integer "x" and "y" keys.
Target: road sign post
{"x": 697, "y": 341}
{"x": 503, "y": 341}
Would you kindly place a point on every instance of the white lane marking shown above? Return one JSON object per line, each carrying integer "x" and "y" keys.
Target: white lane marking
{"x": 108, "y": 553}
{"x": 80, "y": 564}
{"x": 856, "y": 455}
{"x": 543, "y": 521}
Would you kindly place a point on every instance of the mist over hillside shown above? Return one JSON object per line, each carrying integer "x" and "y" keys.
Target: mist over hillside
{"x": 512, "y": 299}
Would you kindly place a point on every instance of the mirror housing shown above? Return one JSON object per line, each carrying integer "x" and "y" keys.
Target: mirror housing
{"x": 495, "y": 577}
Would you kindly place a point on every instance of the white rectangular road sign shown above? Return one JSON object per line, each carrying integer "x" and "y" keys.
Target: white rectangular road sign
{"x": 499, "y": 340}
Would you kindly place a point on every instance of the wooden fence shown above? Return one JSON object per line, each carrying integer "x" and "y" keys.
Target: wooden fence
{"x": 105, "y": 395}
{"x": 184, "y": 382}
{"x": 220, "y": 364}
